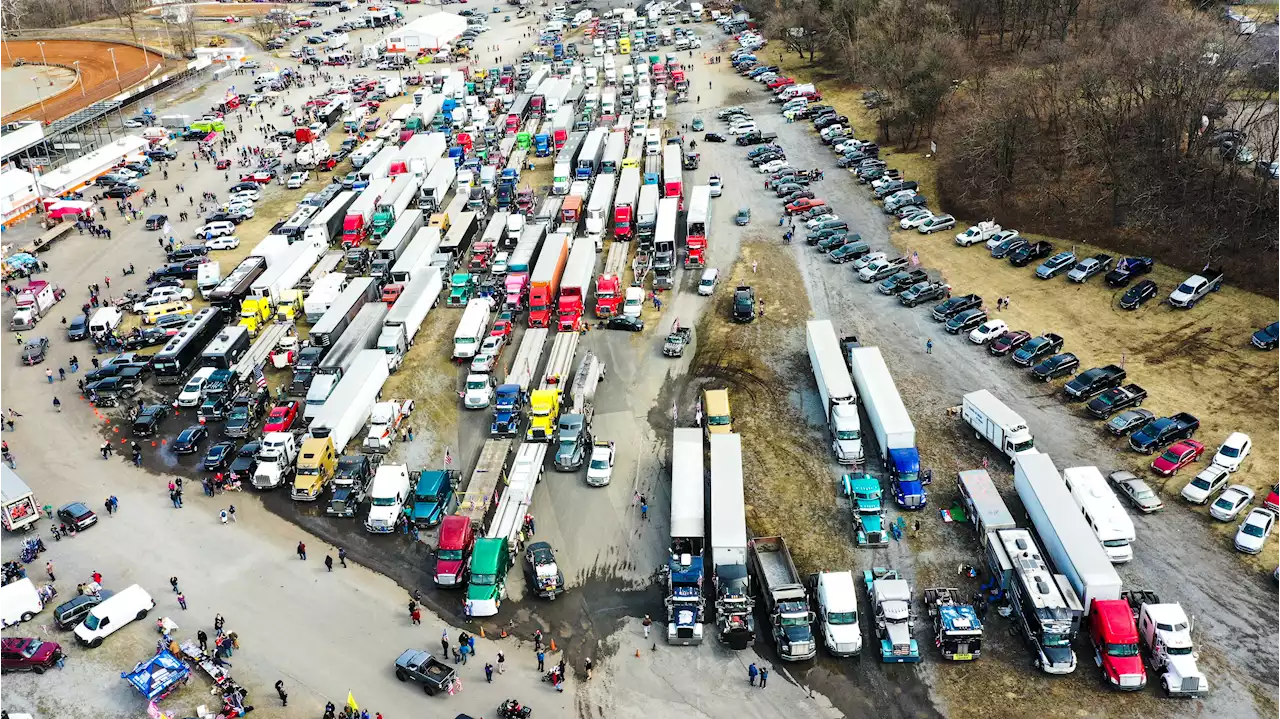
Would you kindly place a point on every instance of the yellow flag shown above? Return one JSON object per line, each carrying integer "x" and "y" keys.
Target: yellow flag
{"x": 351, "y": 701}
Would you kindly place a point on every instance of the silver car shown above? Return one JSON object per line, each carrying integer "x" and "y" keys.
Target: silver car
{"x": 1139, "y": 494}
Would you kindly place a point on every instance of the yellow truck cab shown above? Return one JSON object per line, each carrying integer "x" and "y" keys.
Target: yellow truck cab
{"x": 290, "y": 305}
{"x": 441, "y": 220}
{"x": 715, "y": 410}
{"x": 316, "y": 463}
{"x": 544, "y": 412}
{"x": 254, "y": 313}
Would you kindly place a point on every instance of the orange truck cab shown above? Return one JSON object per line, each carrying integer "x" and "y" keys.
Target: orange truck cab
{"x": 391, "y": 293}
{"x": 454, "y": 550}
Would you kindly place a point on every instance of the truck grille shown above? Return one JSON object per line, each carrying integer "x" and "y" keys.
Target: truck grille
{"x": 912, "y": 500}
{"x": 1190, "y": 685}
{"x": 1130, "y": 680}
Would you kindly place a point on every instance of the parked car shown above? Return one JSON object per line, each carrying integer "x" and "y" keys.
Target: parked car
{"x": 1233, "y": 451}
{"x": 1028, "y": 253}
{"x": 218, "y": 456}
{"x": 744, "y": 304}
{"x": 965, "y": 321}
{"x": 1008, "y": 342}
{"x": 1129, "y": 268}
{"x": 1129, "y": 421}
{"x": 1266, "y": 338}
{"x": 78, "y": 515}
{"x": 1177, "y": 456}
{"x": 955, "y": 305}
{"x": 35, "y": 350}
{"x": 188, "y": 441}
{"x": 1139, "y": 293}
{"x": 1137, "y": 491}
{"x": 1231, "y": 502}
{"x": 28, "y": 654}
{"x": 1008, "y": 247}
{"x": 988, "y": 331}
{"x": 1058, "y": 365}
{"x": 1056, "y": 265}
{"x": 1204, "y": 486}
{"x": 935, "y": 224}
{"x": 1254, "y": 531}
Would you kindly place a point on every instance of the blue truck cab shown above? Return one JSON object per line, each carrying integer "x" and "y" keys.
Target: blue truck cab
{"x": 557, "y": 51}
{"x": 650, "y": 178}
{"x": 433, "y": 497}
{"x": 507, "y": 414}
{"x": 542, "y": 145}
{"x": 906, "y": 479}
{"x": 456, "y": 154}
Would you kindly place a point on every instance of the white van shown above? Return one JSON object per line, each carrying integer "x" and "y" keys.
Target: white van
{"x": 113, "y": 613}
{"x": 652, "y": 140}
{"x": 105, "y": 320}
{"x": 634, "y": 302}
{"x": 19, "y": 602}
{"x": 194, "y": 388}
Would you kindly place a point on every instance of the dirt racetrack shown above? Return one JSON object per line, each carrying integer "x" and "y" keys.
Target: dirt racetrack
{"x": 99, "y": 78}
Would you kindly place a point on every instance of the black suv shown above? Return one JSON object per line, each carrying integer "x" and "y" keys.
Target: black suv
{"x": 147, "y": 422}
{"x": 744, "y": 304}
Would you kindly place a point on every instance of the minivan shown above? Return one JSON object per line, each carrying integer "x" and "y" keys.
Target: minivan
{"x": 715, "y": 407}
{"x": 109, "y": 616}
{"x": 105, "y": 320}
{"x": 68, "y": 614}
{"x": 707, "y": 284}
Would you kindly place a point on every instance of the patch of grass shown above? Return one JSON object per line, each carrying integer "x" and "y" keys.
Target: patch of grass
{"x": 789, "y": 488}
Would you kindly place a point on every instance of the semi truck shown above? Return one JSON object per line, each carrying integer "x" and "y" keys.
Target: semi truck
{"x": 598, "y": 204}
{"x": 574, "y": 286}
{"x": 624, "y": 203}
{"x": 544, "y": 402}
{"x": 836, "y": 597}
{"x": 1068, "y": 540}
{"x": 895, "y": 434}
{"x": 422, "y": 153}
{"x": 435, "y": 187}
{"x": 993, "y": 421}
{"x": 785, "y": 598}
{"x": 686, "y": 607}
{"x": 358, "y": 222}
{"x": 471, "y": 328}
{"x": 647, "y": 213}
{"x": 544, "y": 283}
{"x": 609, "y": 289}
{"x": 322, "y": 295}
{"x": 894, "y": 620}
{"x": 734, "y": 598}
{"x": 387, "y": 496}
{"x": 395, "y": 242}
{"x": 510, "y": 395}
{"x": 402, "y": 193}
{"x": 573, "y": 429}
{"x": 956, "y": 627}
{"x": 1165, "y": 631}
{"x": 697, "y": 225}
{"x": 344, "y": 308}
{"x": 325, "y": 227}
{"x": 407, "y": 315}
{"x": 343, "y": 416}
{"x": 835, "y": 387}
{"x": 416, "y": 258}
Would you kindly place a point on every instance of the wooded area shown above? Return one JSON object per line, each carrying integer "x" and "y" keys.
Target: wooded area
{"x": 1117, "y": 122}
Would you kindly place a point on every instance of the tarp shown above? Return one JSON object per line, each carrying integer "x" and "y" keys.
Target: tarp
{"x": 156, "y": 677}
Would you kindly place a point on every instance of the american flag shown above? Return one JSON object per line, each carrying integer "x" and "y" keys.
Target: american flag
{"x": 260, "y": 377}
{"x": 915, "y": 259}
{"x": 448, "y": 457}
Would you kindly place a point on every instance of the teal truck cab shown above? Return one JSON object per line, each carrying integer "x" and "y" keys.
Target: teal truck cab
{"x": 434, "y": 497}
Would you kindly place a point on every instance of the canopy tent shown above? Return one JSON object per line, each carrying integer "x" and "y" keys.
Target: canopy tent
{"x": 430, "y": 33}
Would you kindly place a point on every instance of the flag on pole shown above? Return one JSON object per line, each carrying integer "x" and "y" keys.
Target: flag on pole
{"x": 448, "y": 457}
{"x": 260, "y": 377}
{"x": 351, "y": 701}
{"x": 167, "y": 229}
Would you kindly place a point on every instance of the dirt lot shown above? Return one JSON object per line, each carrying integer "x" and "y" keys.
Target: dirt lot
{"x": 221, "y": 9}
{"x": 99, "y": 77}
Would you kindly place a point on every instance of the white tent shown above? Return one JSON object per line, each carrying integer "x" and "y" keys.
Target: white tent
{"x": 431, "y": 33}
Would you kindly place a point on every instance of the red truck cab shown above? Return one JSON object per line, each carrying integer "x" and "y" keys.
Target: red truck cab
{"x": 608, "y": 295}
{"x": 456, "y": 539}
{"x": 481, "y": 256}
{"x": 1115, "y": 644}
{"x": 391, "y": 293}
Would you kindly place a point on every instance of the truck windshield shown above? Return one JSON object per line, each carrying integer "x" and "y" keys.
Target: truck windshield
{"x": 449, "y": 555}
{"x": 722, "y": 420}
{"x": 1056, "y": 640}
{"x": 1116, "y": 543}
{"x": 799, "y": 620}
{"x": 477, "y": 384}
{"x": 385, "y": 501}
{"x": 431, "y": 497}
{"x": 849, "y": 435}
{"x": 842, "y": 618}
{"x": 1024, "y": 446}
{"x": 1122, "y": 650}
{"x": 483, "y": 579}
{"x": 1171, "y": 651}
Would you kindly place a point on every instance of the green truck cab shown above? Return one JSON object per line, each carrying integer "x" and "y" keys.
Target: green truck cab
{"x": 434, "y": 497}
{"x": 461, "y": 287}
{"x": 490, "y": 560}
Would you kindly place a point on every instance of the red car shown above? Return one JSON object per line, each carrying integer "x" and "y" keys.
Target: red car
{"x": 803, "y": 204}
{"x": 1177, "y": 456}
{"x": 1008, "y": 342}
{"x": 1273, "y": 498}
{"x": 24, "y": 654}
{"x": 501, "y": 328}
{"x": 223, "y": 164}
{"x": 282, "y": 417}
{"x": 780, "y": 82}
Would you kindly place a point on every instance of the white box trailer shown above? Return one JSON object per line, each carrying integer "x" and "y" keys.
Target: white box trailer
{"x": 284, "y": 274}
{"x": 322, "y": 294}
{"x": 895, "y": 434}
{"x": 407, "y": 315}
{"x": 987, "y": 510}
{"x": 528, "y": 357}
{"x": 993, "y": 421}
{"x": 17, "y": 501}
{"x": 347, "y": 409}
{"x": 417, "y": 256}
{"x": 472, "y": 328}
{"x": 423, "y": 152}
{"x": 688, "y": 492}
{"x": 436, "y": 186}
{"x": 835, "y": 387}
{"x": 1063, "y": 531}
{"x": 598, "y": 205}
{"x": 326, "y": 225}
{"x": 344, "y": 308}
{"x": 728, "y": 505}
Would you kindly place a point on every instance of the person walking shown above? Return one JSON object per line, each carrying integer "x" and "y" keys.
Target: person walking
{"x": 502, "y": 660}
{"x": 48, "y": 568}
{"x": 644, "y": 511}
{"x": 586, "y": 664}
{"x": 342, "y": 557}
{"x": 218, "y": 623}
{"x": 444, "y": 643}
{"x": 752, "y": 673}
{"x": 182, "y": 601}
{"x": 302, "y": 551}
{"x": 764, "y": 677}
{"x": 646, "y": 624}
{"x": 542, "y": 657}
{"x": 203, "y": 640}
{"x": 48, "y": 374}
{"x": 928, "y": 346}
{"x": 416, "y": 616}
{"x": 328, "y": 562}
{"x": 57, "y": 405}
{"x": 173, "y": 582}
{"x": 488, "y": 673}
{"x": 223, "y": 516}
{"x": 284, "y": 696}
{"x": 231, "y": 512}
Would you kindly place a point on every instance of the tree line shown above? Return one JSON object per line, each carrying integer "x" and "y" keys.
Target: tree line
{"x": 1118, "y": 122}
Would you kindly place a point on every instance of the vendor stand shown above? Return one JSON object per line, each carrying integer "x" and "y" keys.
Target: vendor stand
{"x": 157, "y": 677}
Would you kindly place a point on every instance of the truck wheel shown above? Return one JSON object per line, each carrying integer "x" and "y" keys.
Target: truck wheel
{"x": 97, "y": 642}
{"x": 427, "y": 688}
{"x": 402, "y": 675}
{"x": 142, "y": 615}
{"x": 26, "y": 616}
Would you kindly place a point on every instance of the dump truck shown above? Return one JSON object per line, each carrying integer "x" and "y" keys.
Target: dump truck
{"x": 785, "y": 598}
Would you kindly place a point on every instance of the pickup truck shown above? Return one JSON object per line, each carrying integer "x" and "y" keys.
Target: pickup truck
{"x": 1194, "y": 288}
{"x": 1095, "y": 381}
{"x": 418, "y": 665}
{"x": 677, "y": 341}
{"x": 924, "y": 292}
{"x": 1037, "y": 348}
{"x": 900, "y": 281}
{"x": 1115, "y": 399}
{"x": 1129, "y": 268}
{"x": 1163, "y": 431}
{"x": 881, "y": 269}
{"x": 955, "y": 305}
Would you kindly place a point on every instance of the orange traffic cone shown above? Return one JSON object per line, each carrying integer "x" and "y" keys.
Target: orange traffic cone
{"x": 482, "y": 631}
{"x": 504, "y": 633}
{"x": 637, "y": 654}
{"x": 553, "y": 645}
